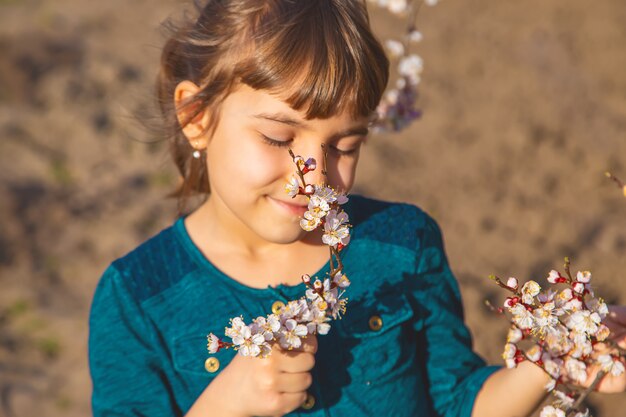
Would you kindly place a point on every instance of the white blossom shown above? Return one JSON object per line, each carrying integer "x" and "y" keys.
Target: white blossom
{"x": 213, "y": 343}
{"x": 330, "y": 195}
{"x": 291, "y": 333}
{"x": 411, "y": 66}
{"x": 509, "y": 351}
{"x": 514, "y": 335}
{"x": 267, "y": 326}
{"x": 247, "y": 341}
{"x": 534, "y": 353}
{"x": 578, "y": 287}
{"x": 557, "y": 341}
{"x": 293, "y": 309}
{"x": 341, "y": 280}
{"x": 292, "y": 187}
{"x": 544, "y": 319}
{"x": 546, "y": 297}
{"x": 529, "y": 291}
{"x": 611, "y": 365}
{"x": 318, "y": 206}
{"x": 552, "y": 365}
{"x": 563, "y": 400}
{"x": 522, "y": 317}
{"x": 584, "y": 321}
{"x": 415, "y": 36}
{"x": 512, "y": 283}
{"x": 550, "y": 411}
{"x": 603, "y": 333}
{"x": 397, "y": 6}
{"x": 577, "y": 370}
{"x": 582, "y": 345}
{"x": 584, "y": 277}
{"x": 599, "y": 306}
{"x": 309, "y": 222}
{"x": 554, "y": 277}
{"x": 336, "y": 229}
{"x": 395, "y": 48}
{"x": 317, "y": 322}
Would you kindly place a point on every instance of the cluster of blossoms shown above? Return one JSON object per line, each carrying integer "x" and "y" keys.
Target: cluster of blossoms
{"x": 323, "y": 299}
{"x": 557, "y": 329}
{"x": 398, "y": 108}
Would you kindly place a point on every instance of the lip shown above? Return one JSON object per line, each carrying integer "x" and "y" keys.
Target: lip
{"x": 293, "y": 209}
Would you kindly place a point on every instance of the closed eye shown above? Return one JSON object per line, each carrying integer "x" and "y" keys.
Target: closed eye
{"x": 276, "y": 142}
{"x": 347, "y": 152}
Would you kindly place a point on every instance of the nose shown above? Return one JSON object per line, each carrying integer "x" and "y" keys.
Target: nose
{"x": 316, "y": 152}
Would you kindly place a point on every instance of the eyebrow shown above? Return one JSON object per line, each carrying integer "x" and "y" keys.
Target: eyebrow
{"x": 285, "y": 119}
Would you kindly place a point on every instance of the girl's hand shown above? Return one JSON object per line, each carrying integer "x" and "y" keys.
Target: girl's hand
{"x": 616, "y": 321}
{"x": 271, "y": 387}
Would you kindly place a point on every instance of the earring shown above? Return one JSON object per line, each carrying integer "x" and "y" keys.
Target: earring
{"x": 196, "y": 153}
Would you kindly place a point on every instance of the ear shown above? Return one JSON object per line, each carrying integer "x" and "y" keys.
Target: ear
{"x": 194, "y": 130}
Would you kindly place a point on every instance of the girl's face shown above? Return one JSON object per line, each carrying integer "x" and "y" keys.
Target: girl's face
{"x": 249, "y": 163}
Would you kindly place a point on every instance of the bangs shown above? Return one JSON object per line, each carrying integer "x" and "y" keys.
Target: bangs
{"x": 321, "y": 56}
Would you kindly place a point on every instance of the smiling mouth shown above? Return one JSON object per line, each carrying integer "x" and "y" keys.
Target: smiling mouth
{"x": 294, "y": 209}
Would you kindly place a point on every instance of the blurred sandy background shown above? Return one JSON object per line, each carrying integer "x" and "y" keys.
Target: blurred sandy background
{"x": 525, "y": 108}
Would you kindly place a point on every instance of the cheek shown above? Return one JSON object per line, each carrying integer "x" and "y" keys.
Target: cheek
{"x": 343, "y": 174}
{"x": 244, "y": 165}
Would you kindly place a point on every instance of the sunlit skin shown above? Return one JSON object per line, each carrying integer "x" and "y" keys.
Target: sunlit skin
{"x": 248, "y": 212}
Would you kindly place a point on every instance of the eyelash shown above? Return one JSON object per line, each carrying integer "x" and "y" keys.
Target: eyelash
{"x": 285, "y": 144}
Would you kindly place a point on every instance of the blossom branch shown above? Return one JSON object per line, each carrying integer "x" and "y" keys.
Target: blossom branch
{"x": 564, "y": 327}
{"x": 323, "y": 299}
{"x": 576, "y": 406}
{"x": 397, "y": 108}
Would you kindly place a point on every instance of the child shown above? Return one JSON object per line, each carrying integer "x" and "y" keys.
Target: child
{"x": 245, "y": 82}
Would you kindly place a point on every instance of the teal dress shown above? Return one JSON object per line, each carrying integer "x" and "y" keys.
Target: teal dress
{"x": 154, "y": 307}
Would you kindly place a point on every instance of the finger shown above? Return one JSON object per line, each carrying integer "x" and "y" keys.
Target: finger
{"x": 292, "y": 400}
{"x": 293, "y": 382}
{"x": 309, "y": 344}
{"x": 294, "y": 361}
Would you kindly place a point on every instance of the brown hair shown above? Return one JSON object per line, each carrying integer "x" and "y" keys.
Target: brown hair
{"x": 321, "y": 53}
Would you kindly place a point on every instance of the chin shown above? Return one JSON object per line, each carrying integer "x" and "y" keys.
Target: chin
{"x": 283, "y": 235}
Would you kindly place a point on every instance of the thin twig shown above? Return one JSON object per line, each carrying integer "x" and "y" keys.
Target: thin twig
{"x": 612, "y": 177}
{"x": 588, "y": 391}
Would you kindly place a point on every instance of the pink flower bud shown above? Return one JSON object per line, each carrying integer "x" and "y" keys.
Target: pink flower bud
{"x": 511, "y": 301}
{"x": 298, "y": 160}
{"x": 602, "y": 333}
{"x": 534, "y": 353}
{"x": 583, "y": 277}
{"x": 311, "y": 164}
{"x": 553, "y": 276}
{"x": 512, "y": 283}
{"x": 579, "y": 287}
{"x": 514, "y": 335}
{"x": 306, "y": 278}
{"x": 317, "y": 284}
{"x": 309, "y": 189}
{"x": 566, "y": 294}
